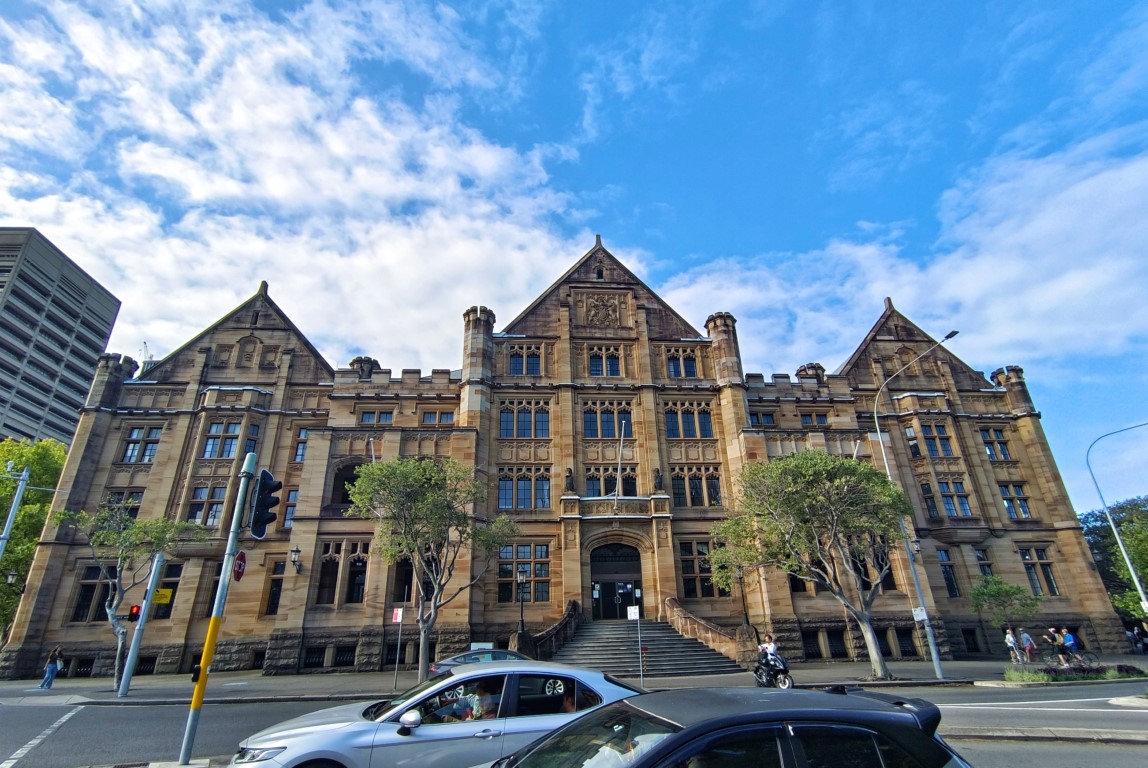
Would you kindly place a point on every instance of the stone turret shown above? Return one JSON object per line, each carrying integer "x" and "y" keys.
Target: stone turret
{"x": 112, "y": 371}
{"x": 477, "y": 345}
{"x": 726, "y": 352}
{"x": 1011, "y": 379}
{"x": 477, "y": 364}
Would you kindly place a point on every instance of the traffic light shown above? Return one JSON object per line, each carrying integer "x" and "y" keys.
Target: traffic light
{"x": 263, "y": 502}
{"x": 134, "y": 613}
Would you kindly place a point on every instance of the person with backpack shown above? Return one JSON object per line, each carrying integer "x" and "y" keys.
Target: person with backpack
{"x": 53, "y": 667}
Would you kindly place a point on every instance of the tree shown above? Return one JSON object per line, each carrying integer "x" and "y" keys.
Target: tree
{"x": 1131, "y": 517}
{"x": 824, "y": 519}
{"x": 424, "y": 513}
{"x": 1003, "y": 602}
{"x": 45, "y": 461}
{"x": 124, "y": 548}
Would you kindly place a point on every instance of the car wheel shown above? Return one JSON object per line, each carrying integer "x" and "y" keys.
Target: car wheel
{"x": 555, "y": 687}
{"x": 784, "y": 682}
{"x": 322, "y": 764}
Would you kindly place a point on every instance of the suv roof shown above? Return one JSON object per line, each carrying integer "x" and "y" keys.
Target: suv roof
{"x": 688, "y": 707}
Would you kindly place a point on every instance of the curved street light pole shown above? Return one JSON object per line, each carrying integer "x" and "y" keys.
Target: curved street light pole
{"x": 929, "y": 634}
{"x": 1111, "y": 522}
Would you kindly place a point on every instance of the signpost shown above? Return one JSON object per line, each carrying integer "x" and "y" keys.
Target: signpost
{"x": 397, "y": 618}
{"x": 633, "y": 613}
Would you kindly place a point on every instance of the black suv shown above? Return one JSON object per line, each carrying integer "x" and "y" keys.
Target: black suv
{"x": 748, "y": 728}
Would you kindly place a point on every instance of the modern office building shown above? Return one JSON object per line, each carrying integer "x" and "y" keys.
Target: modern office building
{"x": 55, "y": 321}
{"x": 597, "y": 385}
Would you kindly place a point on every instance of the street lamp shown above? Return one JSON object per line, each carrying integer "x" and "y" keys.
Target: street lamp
{"x": 904, "y": 534}
{"x": 1111, "y": 522}
{"x": 12, "y": 576}
{"x": 295, "y": 552}
{"x": 521, "y": 579}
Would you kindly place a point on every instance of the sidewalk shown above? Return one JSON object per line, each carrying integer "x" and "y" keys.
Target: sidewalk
{"x": 254, "y": 687}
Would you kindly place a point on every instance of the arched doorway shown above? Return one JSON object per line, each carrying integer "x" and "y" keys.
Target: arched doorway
{"x": 616, "y": 581}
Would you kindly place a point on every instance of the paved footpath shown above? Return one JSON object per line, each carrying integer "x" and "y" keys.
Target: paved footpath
{"x": 253, "y": 687}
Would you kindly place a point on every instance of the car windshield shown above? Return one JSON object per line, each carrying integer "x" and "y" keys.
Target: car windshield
{"x": 413, "y": 693}
{"x": 613, "y": 736}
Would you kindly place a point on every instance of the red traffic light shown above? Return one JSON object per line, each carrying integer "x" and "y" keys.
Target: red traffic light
{"x": 134, "y": 613}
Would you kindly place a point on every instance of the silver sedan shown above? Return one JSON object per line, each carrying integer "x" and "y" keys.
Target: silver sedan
{"x": 475, "y": 713}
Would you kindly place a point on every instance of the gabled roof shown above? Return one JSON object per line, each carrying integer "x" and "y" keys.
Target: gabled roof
{"x": 272, "y": 320}
{"x": 584, "y": 274}
{"x": 893, "y": 330}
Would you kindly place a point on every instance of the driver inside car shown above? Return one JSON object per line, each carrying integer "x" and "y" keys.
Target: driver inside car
{"x": 480, "y": 704}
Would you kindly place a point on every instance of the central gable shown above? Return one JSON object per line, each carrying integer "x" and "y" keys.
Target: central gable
{"x": 601, "y": 297}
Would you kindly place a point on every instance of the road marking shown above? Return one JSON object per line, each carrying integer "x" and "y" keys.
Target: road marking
{"x": 1008, "y": 704}
{"x": 34, "y": 742}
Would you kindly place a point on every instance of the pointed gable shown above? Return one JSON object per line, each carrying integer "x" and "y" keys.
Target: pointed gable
{"x": 246, "y": 345}
{"x": 601, "y": 294}
{"x": 898, "y": 340}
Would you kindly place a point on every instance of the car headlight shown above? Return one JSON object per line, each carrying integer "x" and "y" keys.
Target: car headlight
{"x": 256, "y": 754}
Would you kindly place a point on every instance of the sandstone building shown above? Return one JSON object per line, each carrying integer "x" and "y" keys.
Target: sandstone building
{"x": 597, "y": 384}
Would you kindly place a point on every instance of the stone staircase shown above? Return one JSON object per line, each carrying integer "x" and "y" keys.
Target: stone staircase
{"x": 612, "y": 647}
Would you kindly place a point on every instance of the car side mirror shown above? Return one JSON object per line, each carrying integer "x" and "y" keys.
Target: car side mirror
{"x": 408, "y": 721}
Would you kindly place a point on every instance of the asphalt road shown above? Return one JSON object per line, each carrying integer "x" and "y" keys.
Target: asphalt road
{"x": 71, "y": 735}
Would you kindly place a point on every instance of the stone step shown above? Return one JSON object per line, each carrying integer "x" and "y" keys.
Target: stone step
{"x": 612, "y": 646}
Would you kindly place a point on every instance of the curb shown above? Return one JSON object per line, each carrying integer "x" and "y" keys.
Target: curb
{"x": 1074, "y": 735}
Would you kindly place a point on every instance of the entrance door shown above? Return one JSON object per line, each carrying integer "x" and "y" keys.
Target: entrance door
{"x": 614, "y": 597}
{"x": 616, "y": 581}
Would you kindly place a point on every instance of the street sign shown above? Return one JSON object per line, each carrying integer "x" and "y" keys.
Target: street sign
{"x": 920, "y": 614}
{"x": 123, "y": 617}
{"x": 397, "y": 615}
{"x": 162, "y": 597}
{"x": 632, "y": 612}
{"x": 239, "y": 568}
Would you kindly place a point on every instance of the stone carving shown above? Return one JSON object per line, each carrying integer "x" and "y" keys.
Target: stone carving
{"x": 602, "y": 311}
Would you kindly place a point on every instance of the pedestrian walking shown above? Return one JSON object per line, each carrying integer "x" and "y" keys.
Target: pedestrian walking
{"x": 1027, "y": 644}
{"x": 1013, "y": 646}
{"x": 53, "y": 666}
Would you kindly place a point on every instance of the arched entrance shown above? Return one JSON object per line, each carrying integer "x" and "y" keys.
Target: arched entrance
{"x": 616, "y": 581}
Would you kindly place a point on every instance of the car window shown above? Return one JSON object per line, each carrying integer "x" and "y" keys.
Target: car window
{"x": 610, "y": 737}
{"x": 475, "y": 699}
{"x": 553, "y": 694}
{"x": 839, "y": 746}
{"x": 757, "y": 748}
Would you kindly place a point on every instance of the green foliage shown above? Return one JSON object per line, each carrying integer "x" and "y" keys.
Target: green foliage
{"x": 424, "y": 511}
{"x": 813, "y": 515}
{"x": 125, "y": 548}
{"x": 45, "y": 460}
{"x": 1003, "y": 602}
{"x": 1131, "y": 517}
{"x": 826, "y": 519}
{"x": 1059, "y": 675}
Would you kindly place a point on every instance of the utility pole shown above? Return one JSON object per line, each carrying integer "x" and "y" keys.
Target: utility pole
{"x": 245, "y": 476}
{"x": 921, "y": 613}
{"x": 20, "y": 486}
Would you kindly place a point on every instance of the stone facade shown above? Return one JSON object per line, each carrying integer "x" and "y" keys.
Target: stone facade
{"x": 597, "y": 383}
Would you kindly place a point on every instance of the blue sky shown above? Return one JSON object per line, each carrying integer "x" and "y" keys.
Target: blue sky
{"x": 983, "y": 164}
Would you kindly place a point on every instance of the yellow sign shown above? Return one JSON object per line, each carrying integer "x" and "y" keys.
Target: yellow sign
{"x": 162, "y": 596}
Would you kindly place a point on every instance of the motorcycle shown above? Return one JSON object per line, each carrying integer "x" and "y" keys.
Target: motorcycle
{"x": 772, "y": 671}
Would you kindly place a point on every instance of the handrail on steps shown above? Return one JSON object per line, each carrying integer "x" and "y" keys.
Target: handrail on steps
{"x": 737, "y": 644}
